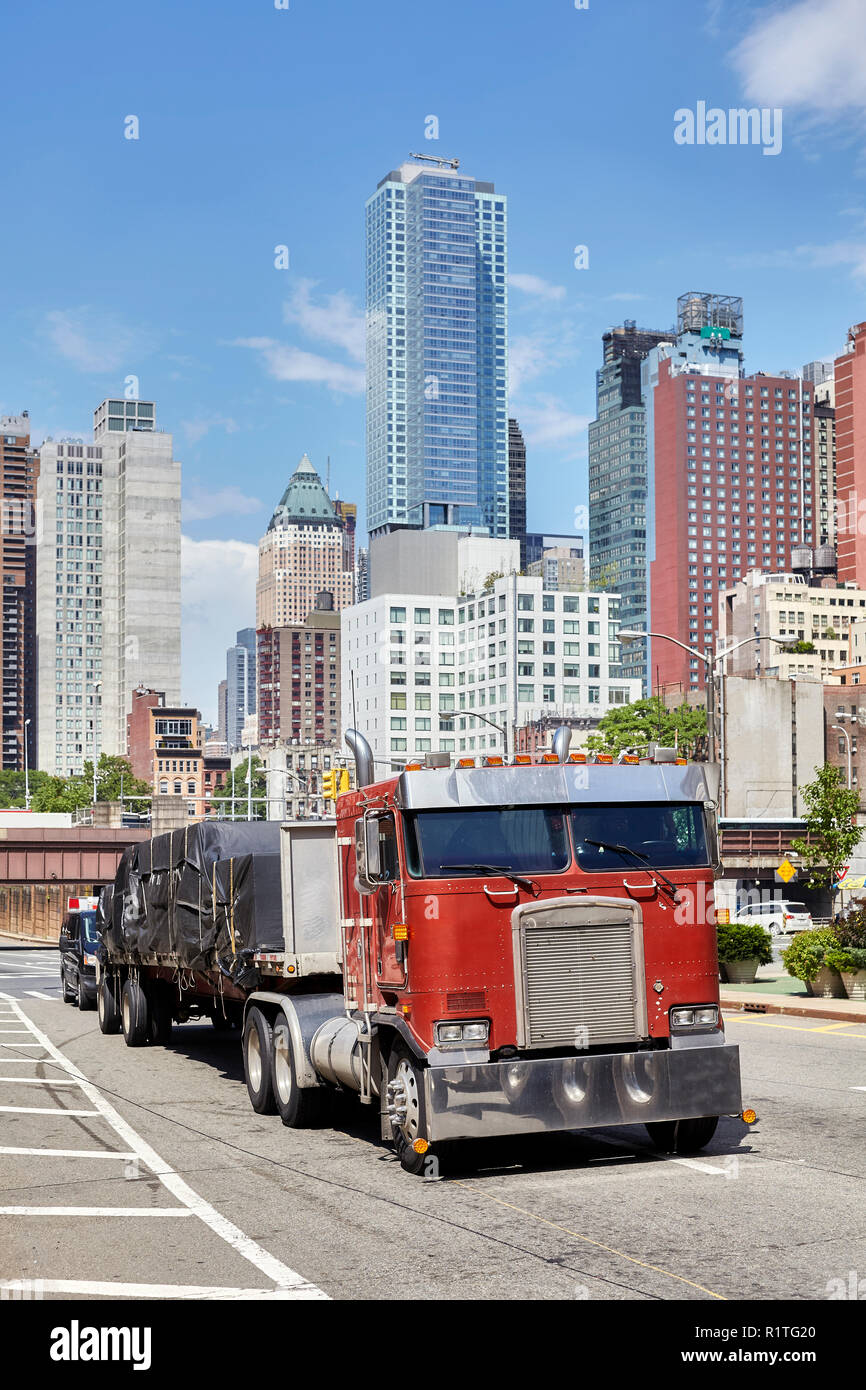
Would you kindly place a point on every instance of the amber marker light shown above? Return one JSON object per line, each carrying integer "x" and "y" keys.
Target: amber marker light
{"x": 420, "y": 1146}
{"x": 749, "y": 1117}
{"x": 401, "y": 931}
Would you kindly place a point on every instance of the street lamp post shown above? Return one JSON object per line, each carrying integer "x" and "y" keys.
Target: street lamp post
{"x": 26, "y": 767}
{"x": 502, "y": 728}
{"x": 847, "y": 737}
{"x": 95, "y": 686}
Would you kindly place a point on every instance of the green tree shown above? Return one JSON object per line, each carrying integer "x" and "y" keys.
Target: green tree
{"x": 12, "y": 786}
{"x": 833, "y": 834}
{"x": 74, "y": 793}
{"x": 238, "y": 781}
{"x": 648, "y": 721}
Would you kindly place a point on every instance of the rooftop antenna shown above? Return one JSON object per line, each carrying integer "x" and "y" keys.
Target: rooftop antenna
{"x": 438, "y": 160}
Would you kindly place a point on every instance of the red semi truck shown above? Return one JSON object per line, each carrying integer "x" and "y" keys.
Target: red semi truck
{"x": 479, "y": 950}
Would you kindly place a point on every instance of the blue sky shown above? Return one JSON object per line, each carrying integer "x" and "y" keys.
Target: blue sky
{"x": 261, "y": 127}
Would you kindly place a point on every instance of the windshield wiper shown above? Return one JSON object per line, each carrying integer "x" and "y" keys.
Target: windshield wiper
{"x": 642, "y": 859}
{"x": 522, "y": 882}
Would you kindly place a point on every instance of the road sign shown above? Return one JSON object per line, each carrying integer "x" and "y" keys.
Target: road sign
{"x": 842, "y": 873}
{"x": 786, "y": 871}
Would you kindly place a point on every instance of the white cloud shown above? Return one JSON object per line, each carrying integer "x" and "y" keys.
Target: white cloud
{"x": 336, "y": 320}
{"x": 528, "y": 357}
{"x": 547, "y": 423}
{"x": 93, "y": 341}
{"x": 200, "y": 504}
{"x": 806, "y": 54}
{"x": 218, "y": 591}
{"x": 835, "y": 253}
{"x": 286, "y": 363}
{"x": 627, "y": 295}
{"x": 533, "y": 284}
{"x": 194, "y": 430}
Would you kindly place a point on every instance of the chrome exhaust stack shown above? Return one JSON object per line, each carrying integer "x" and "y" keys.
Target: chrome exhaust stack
{"x": 562, "y": 742}
{"x": 363, "y": 755}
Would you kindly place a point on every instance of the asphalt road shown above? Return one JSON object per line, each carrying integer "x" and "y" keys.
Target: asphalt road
{"x": 193, "y": 1195}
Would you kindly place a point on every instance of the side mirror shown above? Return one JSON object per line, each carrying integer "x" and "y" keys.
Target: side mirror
{"x": 367, "y": 855}
{"x": 64, "y": 942}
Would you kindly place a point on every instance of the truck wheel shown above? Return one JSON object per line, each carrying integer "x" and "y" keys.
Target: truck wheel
{"x": 258, "y": 1066}
{"x": 107, "y": 1007}
{"x": 683, "y": 1136}
{"x": 406, "y": 1110}
{"x": 84, "y": 1000}
{"x": 160, "y": 1014}
{"x": 69, "y": 995}
{"x": 299, "y": 1107}
{"x": 133, "y": 1014}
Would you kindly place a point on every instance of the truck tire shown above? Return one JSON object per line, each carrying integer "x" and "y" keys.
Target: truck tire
{"x": 134, "y": 1013}
{"x": 107, "y": 1007}
{"x": 258, "y": 1064}
{"x": 683, "y": 1136}
{"x": 299, "y": 1107}
{"x": 84, "y": 1000}
{"x": 160, "y": 1019}
{"x": 406, "y": 1094}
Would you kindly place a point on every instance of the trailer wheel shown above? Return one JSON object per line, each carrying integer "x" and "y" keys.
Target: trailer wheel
{"x": 133, "y": 1013}
{"x": 406, "y": 1110}
{"x": 299, "y": 1107}
{"x": 258, "y": 1066}
{"x": 160, "y": 1014}
{"x": 107, "y": 1008}
{"x": 683, "y": 1136}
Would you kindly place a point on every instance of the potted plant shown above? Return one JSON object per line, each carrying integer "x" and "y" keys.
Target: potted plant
{"x": 743, "y": 946}
{"x": 805, "y": 959}
{"x": 848, "y": 954}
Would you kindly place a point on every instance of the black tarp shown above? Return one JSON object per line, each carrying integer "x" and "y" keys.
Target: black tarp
{"x": 165, "y": 902}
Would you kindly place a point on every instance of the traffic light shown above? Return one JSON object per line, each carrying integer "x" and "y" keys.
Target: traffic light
{"x": 344, "y": 780}
{"x": 329, "y": 785}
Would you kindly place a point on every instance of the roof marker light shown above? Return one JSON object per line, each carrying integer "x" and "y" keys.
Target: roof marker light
{"x": 465, "y": 762}
{"x": 604, "y": 757}
{"x": 577, "y": 757}
{"x": 522, "y": 759}
{"x": 549, "y": 758}
{"x": 493, "y": 761}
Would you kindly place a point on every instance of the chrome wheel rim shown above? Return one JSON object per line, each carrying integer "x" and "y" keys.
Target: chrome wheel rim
{"x": 254, "y": 1059}
{"x": 283, "y": 1078}
{"x": 404, "y": 1105}
{"x": 127, "y": 1015}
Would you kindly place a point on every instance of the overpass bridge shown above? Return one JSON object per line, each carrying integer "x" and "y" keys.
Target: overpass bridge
{"x": 42, "y": 866}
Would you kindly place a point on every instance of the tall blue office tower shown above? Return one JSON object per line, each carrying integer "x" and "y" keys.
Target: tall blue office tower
{"x": 437, "y": 406}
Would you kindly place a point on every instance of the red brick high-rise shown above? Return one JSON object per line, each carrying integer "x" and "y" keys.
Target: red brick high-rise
{"x": 19, "y": 471}
{"x": 850, "y": 372}
{"x": 730, "y": 480}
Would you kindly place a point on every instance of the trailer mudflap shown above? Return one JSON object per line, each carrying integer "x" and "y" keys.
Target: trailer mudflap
{"x": 539, "y": 1095}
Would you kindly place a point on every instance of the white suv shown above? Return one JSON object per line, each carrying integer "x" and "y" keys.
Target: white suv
{"x": 781, "y": 918}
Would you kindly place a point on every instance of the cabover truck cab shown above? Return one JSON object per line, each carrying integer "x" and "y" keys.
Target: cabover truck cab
{"x": 527, "y": 948}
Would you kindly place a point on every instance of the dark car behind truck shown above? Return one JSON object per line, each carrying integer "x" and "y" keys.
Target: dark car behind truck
{"x": 78, "y": 942}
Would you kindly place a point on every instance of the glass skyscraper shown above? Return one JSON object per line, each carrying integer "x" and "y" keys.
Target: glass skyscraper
{"x": 437, "y": 409}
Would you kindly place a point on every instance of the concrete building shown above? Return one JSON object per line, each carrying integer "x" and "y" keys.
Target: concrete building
{"x": 437, "y": 348}
{"x": 299, "y": 687}
{"x": 459, "y": 673}
{"x": 850, "y": 388}
{"x": 107, "y": 587}
{"x": 824, "y": 460}
{"x": 561, "y": 567}
{"x": 293, "y": 777}
{"x": 362, "y": 579}
{"x": 772, "y": 741}
{"x": 21, "y": 533}
{"x": 304, "y": 552}
{"x": 437, "y": 561}
{"x": 516, "y": 484}
{"x": 784, "y": 606}
{"x": 241, "y": 696}
{"x": 730, "y": 478}
{"x": 536, "y": 543}
{"x": 139, "y": 731}
{"x": 618, "y": 478}
{"x": 177, "y": 755}
{"x": 222, "y": 712}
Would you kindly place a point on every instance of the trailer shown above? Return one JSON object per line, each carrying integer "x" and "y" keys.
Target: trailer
{"x": 476, "y": 950}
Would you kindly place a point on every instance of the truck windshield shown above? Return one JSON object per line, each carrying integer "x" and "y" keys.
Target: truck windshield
{"x": 669, "y": 836}
{"x": 89, "y": 934}
{"x": 526, "y": 839}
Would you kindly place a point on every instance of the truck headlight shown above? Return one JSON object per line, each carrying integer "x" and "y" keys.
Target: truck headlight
{"x": 476, "y": 1031}
{"x": 89, "y": 960}
{"x": 699, "y": 1016}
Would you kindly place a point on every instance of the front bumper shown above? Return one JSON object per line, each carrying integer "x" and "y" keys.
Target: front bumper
{"x": 538, "y": 1095}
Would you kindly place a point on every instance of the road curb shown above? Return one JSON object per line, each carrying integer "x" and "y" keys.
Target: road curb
{"x": 852, "y": 1013}
{"x": 25, "y": 943}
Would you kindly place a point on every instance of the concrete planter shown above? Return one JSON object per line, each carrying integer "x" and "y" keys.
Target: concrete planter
{"x": 855, "y": 983}
{"x": 827, "y": 984}
{"x": 741, "y": 972}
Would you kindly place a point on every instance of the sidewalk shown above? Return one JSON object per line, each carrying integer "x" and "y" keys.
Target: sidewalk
{"x": 7, "y": 941}
{"x": 774, "y": 992}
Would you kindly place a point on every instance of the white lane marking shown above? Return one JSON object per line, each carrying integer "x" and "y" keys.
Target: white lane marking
{"x": 34, "y": 994}
{"x": 248, "y": 1249}
{"x": 96, "y": 1211}
{"x": 14, "y": 1030}
{"x": 179, "y": 1291}
{"x": 26, "y": 1059}
{"x": 67, "y": 1153}
{"x": 35, "y": 1080}
{"x": 43, "y": 1110}
{"x": 858, "y": 1088}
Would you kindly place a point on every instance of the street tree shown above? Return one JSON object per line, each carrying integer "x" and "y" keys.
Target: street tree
{"x": 74, "y": 793}
{"x": 833, "y": 834}
{"x": 648, "y": 721}
{"x": 236, "y": 786}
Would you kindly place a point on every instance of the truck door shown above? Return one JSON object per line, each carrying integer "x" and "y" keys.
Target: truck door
{"x": 388, "y": 970}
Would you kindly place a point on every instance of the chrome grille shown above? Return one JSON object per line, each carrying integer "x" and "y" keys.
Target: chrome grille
{"x": 581, "y": 984}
